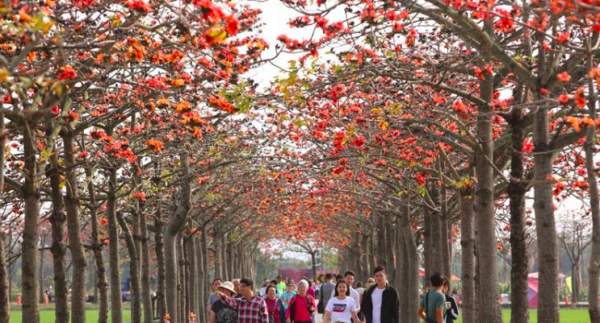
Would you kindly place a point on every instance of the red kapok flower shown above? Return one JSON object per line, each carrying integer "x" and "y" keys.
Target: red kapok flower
{"x": 68, "y": 73}
{"x": 580, "y": 100}
{"x": 82, "y": 4}
{"x": 563, "y": 77}
{"x": 233, "y": 25}
{"x": 139, "y": 195}
{"x": 155, "y": 145}
{"x": 140, "y": 5}
{"x": 563, "y": 99}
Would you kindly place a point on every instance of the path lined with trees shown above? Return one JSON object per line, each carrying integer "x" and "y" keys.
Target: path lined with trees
{"x": 131, "y": 131}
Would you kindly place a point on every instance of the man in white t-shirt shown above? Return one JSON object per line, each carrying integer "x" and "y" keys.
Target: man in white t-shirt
{"x": 349, "y": 278}
{"x": 380, "y": 303}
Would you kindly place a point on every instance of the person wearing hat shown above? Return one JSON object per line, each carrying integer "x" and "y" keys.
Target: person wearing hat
{"x": 250, "y": 308}
{"x": 222, "y": 312}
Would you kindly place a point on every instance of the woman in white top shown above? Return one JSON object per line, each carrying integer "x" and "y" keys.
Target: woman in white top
{"x": 341, "y": 308}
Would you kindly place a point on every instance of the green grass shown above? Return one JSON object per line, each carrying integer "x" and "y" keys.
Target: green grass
{"x": 47, "y": 316}
{"x": 566, "y": 315}
{"x": 579, "y": 315}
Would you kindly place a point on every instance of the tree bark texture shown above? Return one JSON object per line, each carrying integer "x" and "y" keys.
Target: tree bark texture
{"x": 134, "y": 271}
{"x": 171, "y": 279}
{"x": 78, "y": 286}
{"x": 161, "y": 292}
{"x": 410, "y": 269}
{"x": 516, "y": 190}
{"x": 467, "y": 242}
{"x": 171, "y": 235}
{"x": 594, "y": 267}
{"x": 97, "y": 247}
{"x": 147, "y": 298}
{"x": 4, "y": 286}
{"x": 29, "y": 258}
{"x": 58, "y": 219}
{"x": 113, "y": 237}
{"x": 545, "y": 221}
{"x": 487, "y": 293}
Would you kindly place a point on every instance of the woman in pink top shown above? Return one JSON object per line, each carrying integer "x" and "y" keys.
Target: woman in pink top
{"x": 311, "y": 290}
{"x": 302, "y": 306}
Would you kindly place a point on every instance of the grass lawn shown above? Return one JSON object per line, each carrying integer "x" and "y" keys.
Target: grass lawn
{"x": 47, "y": 316}
{"x": 566, "y": 315}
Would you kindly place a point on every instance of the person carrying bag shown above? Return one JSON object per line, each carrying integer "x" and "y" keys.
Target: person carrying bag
{"x": 433, "y": 305}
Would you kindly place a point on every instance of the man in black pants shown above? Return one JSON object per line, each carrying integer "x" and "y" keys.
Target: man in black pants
{"x": 380, "y": 303}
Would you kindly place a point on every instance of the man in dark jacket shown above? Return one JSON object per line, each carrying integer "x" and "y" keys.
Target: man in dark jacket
{"x": 380, "y": 303}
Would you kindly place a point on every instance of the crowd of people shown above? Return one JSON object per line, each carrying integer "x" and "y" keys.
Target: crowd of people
{"x": 284, "y": 301}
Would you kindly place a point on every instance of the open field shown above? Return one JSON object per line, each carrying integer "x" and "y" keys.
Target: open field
{"x": 47, "y": 313}
{"x": 47, "y": 316}
{"x": 566, "y": 315}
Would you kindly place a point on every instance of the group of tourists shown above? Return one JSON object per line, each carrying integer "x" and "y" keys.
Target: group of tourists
{"x": 284, "y": 302}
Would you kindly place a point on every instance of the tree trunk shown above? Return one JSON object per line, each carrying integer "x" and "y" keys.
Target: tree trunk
{"x": 445, "y": 242}
{"x": 428, "y": 262}
{"x": 58, "y": 219}
{"x": 171, "y": 279}
{"x": 97, "y": 247}
{"x": 516, "y": 190}
{"x": 193, "y": 275}
{"x": 575, "y": 283}
{"x": 200, "y": 287}
{"x": 467, "y": 242}
{"x": 29, "y": 260}
{"x": 381, "y": 252}
{"x": 401, "y": 278}
{"x": 411, "y": 266}
{"x": 4, "y": 285}
{"x": 356, "y": 257}
{"x": 182, "y": 281}
{"x": 488, "y": 294}
{"x": 545, "y": 222}
{"x": 205, "y": 269}
{"x": 313, "y": 264}
{"x": 171, "y": 233}
{"x": 218, "y": 256}
{"x": 147, "y": 298}
{"x": 41, "y": 268}
{"x": 413, "y": 286}
{"x": 113, "y": 237}
{"x": 436, "y": 243}
{"x": 372, "y": 251}
{"x": 78, "y": 286}
{"x": 594, "y": 267}
{"x": 224, "y": 257}
{"x": 134, "y": 270}
{"x": 161, "y": 291}
{"x": 390, "y": 244}
{"x": 364, "y": 252}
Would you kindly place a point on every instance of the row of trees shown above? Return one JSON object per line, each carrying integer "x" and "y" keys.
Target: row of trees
{"x": 421, "y": 123}
{"x": 452, "y": 111}
{"x": 116, "y": 137}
